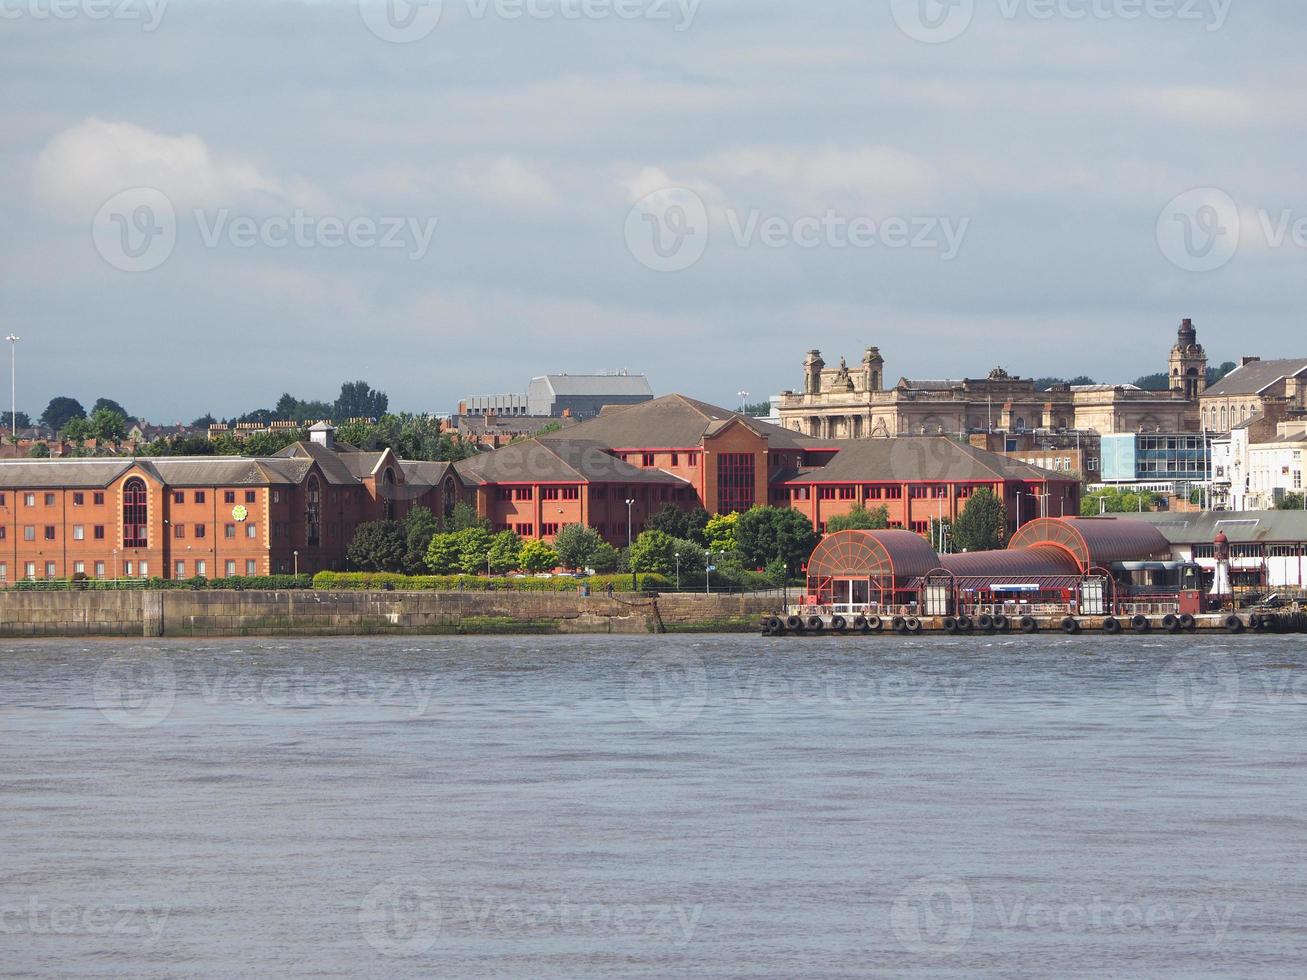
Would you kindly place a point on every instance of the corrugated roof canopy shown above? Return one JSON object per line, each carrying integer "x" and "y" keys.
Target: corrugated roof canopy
{"x": 1093, "y": 540}
{"x": 897, "y": 555}
{"x": 1036, "y": 563}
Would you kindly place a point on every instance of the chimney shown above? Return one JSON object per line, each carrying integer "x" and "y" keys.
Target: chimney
{"x": 323, "y": 434}
{"x": 1245, "y": 360}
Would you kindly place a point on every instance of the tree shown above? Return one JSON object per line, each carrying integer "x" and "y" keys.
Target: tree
{"x": 758, "y": 410}
{"x": 107, "y": 424}
{"x": 61, "y": 411}
{"x": 1117, "y": 500}
{"x": 465, "y": 516}
{"x": 653, "y": 551}
{"x": 444, "y": 553}
{"x": 420, "y": 526}
{"x": 1154, "y": 382}
{"x": 76, "y": 430}
{"x": 473, "y": 544}
{"x": 576, "y": 545}
{"x": 204, "y": 421}
{"x": 1215, "y": 374}
{"x": 19, "y": 420}
{"x": 859, "y": 519}
{"x": 982, "y": 525}
{"x": 537, "y": 556}
{"x": 505, "y": 552}
{"x": 764, "y": 534}
{"x": 687, "y": 524}
{"x": 1290, "y": 501}
{"x": 358, "y": 400}
{"x": 39, "y": 451}
{"x": 719, "y": 532}
{"x": 605, "y": 558}
{"x": 378, "y": 546}
{"x": 111, "y": 405}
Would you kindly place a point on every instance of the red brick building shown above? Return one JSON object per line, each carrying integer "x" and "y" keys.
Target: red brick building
{"x": 678, "y": 450}
{"x": 212, "y": 516}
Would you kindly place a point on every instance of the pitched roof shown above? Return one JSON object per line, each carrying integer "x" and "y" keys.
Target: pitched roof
{"x": 23, "y": 473}
{"x": 181, "y": 471}
{"x": 674, "y": 422}
{"x": 1256, "y": 376}
{"x": 562, "y": 460}
{"x": 1240, "y": 527}
{"x": 624, "y": 385}
{"x": 919, "y": 458}
{"x": 424, "y": 474}
{"x": 331, "y": 461}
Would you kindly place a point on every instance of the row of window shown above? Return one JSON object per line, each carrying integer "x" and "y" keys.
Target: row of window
{"x": 228, "y": 530}
{"x": 49, "y": 499}
{"x": 674, "y": 460}
{"x": 200, "y": 568}
{"x": 1250, "y": 551}
{"x": 49, "y": 532}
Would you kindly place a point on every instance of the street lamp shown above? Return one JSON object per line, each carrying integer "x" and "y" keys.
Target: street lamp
{"x": 743, "y": 395}
{"x": 296, "y": 555}
{"x": 707, "y": 569}
{"x": 678, "y": 571}
{"x": 635, "y": 584}
{"x": 13, "y": 384}
{"x": 785, "y": 585}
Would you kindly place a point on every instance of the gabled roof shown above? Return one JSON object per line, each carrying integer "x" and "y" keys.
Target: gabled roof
{"x": 673, "y": 422}
{"x": 24, "y": 473}
{"x": 557, "y": 460}
{"x": 424, "y": 474}
{"x": 330, "y": 461}
{"x": 1256, "y": 376}
{"x": 919, "y": 458}
{"x": 1240, "y": 527}
{"x": 179, "y": 471}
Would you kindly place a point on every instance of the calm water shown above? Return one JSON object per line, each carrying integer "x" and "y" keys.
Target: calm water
{"x": 652, "y": 806}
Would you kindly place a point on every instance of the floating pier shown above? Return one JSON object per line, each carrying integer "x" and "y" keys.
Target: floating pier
{"x": 835, "y": 624}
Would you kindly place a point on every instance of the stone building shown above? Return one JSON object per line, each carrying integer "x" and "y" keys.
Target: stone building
{"x": 1245, "y": 392}
{"x": 854, "y": 403}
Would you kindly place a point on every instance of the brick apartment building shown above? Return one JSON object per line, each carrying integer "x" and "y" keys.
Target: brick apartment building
{"x": 212, "y": 516}
{"x": 685, "y": 452}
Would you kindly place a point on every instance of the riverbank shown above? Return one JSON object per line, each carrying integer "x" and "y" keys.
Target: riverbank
{"x": 320, "y": 613}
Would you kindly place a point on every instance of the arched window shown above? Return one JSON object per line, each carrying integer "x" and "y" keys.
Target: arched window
{"x": 388, "y": 494}
{"x": 135, "y": 526}
{"x": 313, "y": 512}
{"x": 1223, "y": 418}
{"x": 451, "y": 496}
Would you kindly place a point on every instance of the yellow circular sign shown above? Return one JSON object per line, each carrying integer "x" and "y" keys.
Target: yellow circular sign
{"x": 239, "y": 512}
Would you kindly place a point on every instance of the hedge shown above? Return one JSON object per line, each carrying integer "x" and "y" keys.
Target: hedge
{"x": 237, "y": 582}
{"x": 373, "y": 581}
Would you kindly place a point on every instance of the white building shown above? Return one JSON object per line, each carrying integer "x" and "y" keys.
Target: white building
{"x": 1257, "y": 463}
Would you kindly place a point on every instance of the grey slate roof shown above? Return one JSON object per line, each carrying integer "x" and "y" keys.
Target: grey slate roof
{"x": 624, "y": 385}
{"x": 34, "y": 473}
{"x": 919, "y": 458}
{"x": 331, "y": 462}
{"x": 561, "y": 460}
{"x": 1241, "y": 527}
{"x": 1256, "y": 376}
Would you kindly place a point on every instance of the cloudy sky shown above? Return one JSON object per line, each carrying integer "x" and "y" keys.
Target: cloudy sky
{"x": 205, "y": 204}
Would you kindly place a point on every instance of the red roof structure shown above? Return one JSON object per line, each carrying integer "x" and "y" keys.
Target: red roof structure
{"x": 1092, "y": 541}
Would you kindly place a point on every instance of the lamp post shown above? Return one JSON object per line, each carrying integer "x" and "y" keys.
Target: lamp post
{"x": 296, "y": 555}
{"x": 635, "y": 584}
{"x": 678, "y": 571}
{"x": 13, "y": 385}
{"x": 707, "y": 570}
{"x": 743, "y": 395}
{"x": 785, "y": 585}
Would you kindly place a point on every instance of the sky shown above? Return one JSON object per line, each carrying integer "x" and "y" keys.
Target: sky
{"x": 203, "y": 205}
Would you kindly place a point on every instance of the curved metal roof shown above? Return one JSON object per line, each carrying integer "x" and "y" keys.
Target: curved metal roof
{"x": 1093, "y": 540}
{"x": 1029, "y": 562}
{"x": 898, "y": 555}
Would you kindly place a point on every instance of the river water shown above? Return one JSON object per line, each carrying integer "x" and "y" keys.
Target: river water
{"x": 654, "y": 806}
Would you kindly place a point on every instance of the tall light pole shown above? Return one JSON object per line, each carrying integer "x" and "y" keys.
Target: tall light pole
{"x": 13, "y": 384}
{"x": 678, "y": 571}
{"x": 743, "y": 395}
{"x": 707, "y": 570}
{"x": 635, "y": 583}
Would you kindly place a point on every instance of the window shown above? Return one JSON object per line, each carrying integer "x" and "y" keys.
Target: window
{"x": 179, "y": 531}
{"x": 601, "y": 493}
{"x": 251, "y": 531}
{"x": 549, "y": 493}
{"x": 691, "y": 459}
{"x": 848, "y": 493}
{"x": 276, "y": 496}
{"x": 49, "y": 500}
{"x": 825, "y": 493}
{"x": 917, "y": 491}
{"x": 145, "y": 569}
{"x": 97, "y": 532}
{"x": 251, "y": 567}
{"x": 98, "y": 497}
{"x": 99, "y": 569}
{"x": 4, "y": 532}
{"x": 920, "y": 526}
{"x": 199, "y": 496}
{"x": 504, "y": 493}
{"x": 79, "y": 568}
{"x": 523, "y": 493}
{"x": 571, "y": 493}
{"x": 251, "y": 496}
{"x": 179, "y": 496}
{"x": 134, "y": 513}
{"x": 313, "y": 512}
{"x": 29, "y": 532}
{"x": 2, "y": 499}
{"x": 179, "y": 570}
{"x": 646, "y": 459}
{"x": 229, "y": 530}
{"x": 229, "y": 496}
{"x": 201, "y": 568}
{"x": 1281, "y": 551}
{"x": 524, "y": 530}
{"x": 230, "y": 568}
{"x": 49, "y": 532}
{"x": 734, "y": 482}
{"x": 79, "y": 498}
{"x": 79, "y": 532}
{"x": 548, "y": 530}
{"x": 4, "y": 572}
{"x": 29, "y": 570}
{"x": 29, "y": 500}
{"x": 871, "y": 493}
{"x": 49, "y": 570}
{"x": 800, "y": 493}
{"x": 676, "y": 459}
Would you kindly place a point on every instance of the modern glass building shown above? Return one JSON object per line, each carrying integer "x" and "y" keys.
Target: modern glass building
{"x": 1156, "y": 459}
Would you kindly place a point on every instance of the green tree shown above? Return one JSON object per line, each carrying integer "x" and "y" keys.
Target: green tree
{"x": 576, "y": 545}
{"x": 358, "y": 400}
{"x": 377, "y": 546}
{"x": 1215, "y": 374}
{"x": 204, "y": 421}
{"x": 653, "y": 551}
{"x": 444, "y": 553}
{"x": 687, "y": 524}
{"x": 269, "y": 443}
{"x": 982, "y": 525}
{"x": 1290, "y": 501}
{"x": 420, "y": 526}
{"x": 605, "y": 558}
{"x": 1154, "y": 382}
{"x": 111, "y": 405}
{"x": 61, "y": 411}
{"x": 77, "y": 429}
{"x": 763, "y": 534}
{"x": 1117, "y": 500}
{"x": 859, "y": 519}
{"x": 537, "y": 556}
{"x": 465, "y": 516}
{"x": 19, "y": 420}
{"x": 719, "y": 532}
{"x": 107, "y": 425}
{"x": 39, "y": 451}
{"x": 474, "y": 543}
{"x": 505, "y": 553}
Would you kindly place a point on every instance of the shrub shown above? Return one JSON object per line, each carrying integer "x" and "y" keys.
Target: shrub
{"x": 369, "y": 581}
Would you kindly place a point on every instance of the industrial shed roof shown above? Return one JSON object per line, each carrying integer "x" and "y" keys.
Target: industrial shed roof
{"x": 1239, "y": 527}
{"x": 1092, "y": 540}
{"x": 897, "y": 555}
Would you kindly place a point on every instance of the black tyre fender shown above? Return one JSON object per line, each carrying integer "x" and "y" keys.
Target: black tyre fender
{"x": 1233, "y": 624}
{"x": 1171, "y": 623}
{"x": 774, "y": 623}
{"x": 964, "y": 624}
{"x": 1187, "y": 622}
{"x": 860, "y": 623}
{"x": 794, "y": 623}
{"x": 1070, "y": 626}
{"x": 900, "y": 624}
{"x": 1139, "y": 623}
{"x": 815, "y": 624}
{"x": 1029, "y": 624}
{"x": 985, "y": 622}
{"x": 1112, "y": 625}
{"x": 874, "y": 624}
{"x": 1002, "y": 624}
{"x": 913, "y": 624}
{"x": 839, "y": 624}
{"x": 950, "y": 625}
